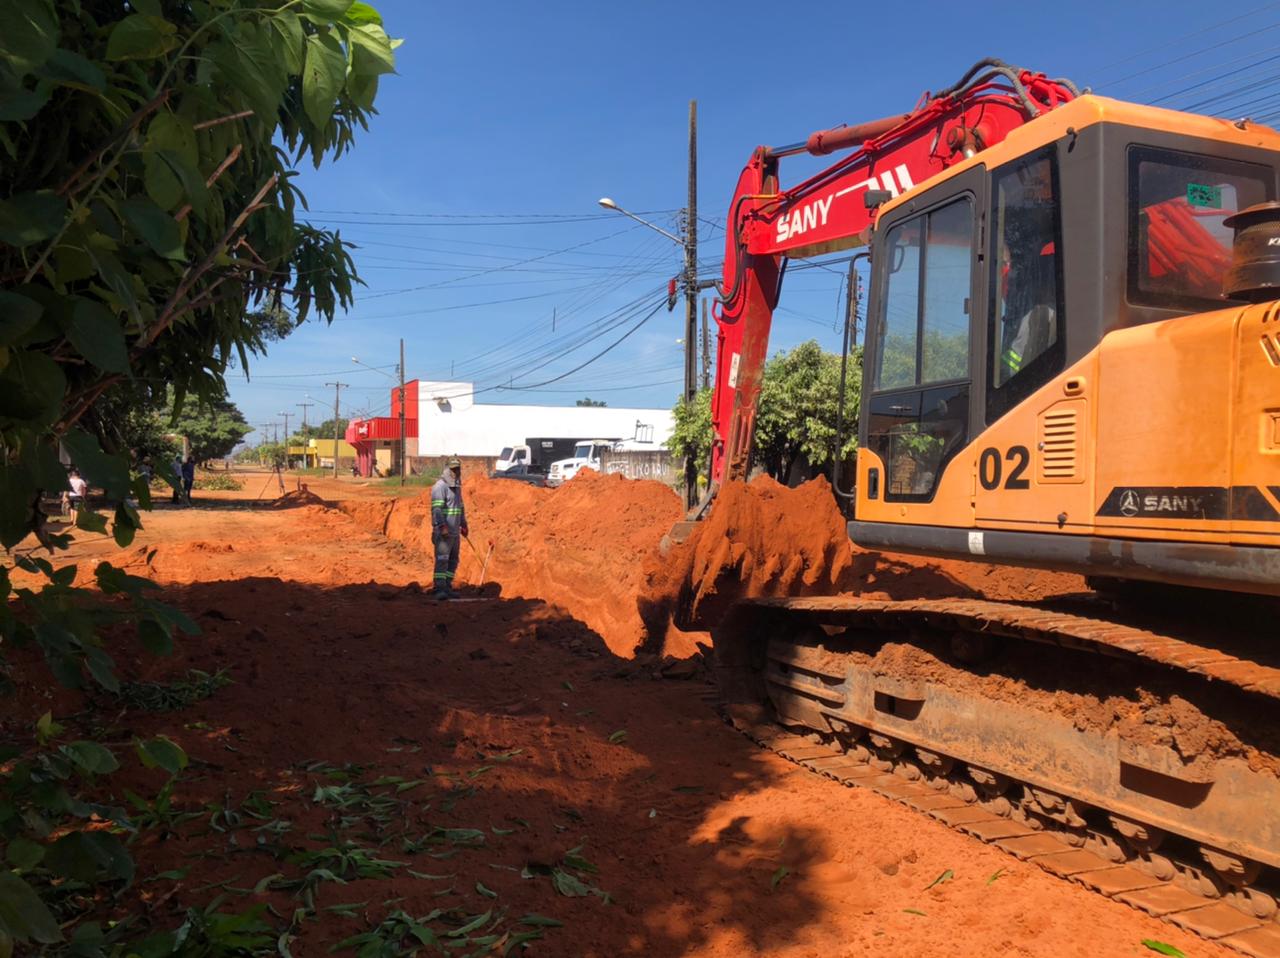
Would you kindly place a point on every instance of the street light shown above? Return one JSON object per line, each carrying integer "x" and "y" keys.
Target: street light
{"x": 404, "y": 459}
{"x": 609, "y": 204}
{"x": 689, "y": 243}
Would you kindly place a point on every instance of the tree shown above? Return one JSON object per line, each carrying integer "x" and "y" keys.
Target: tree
{"x": 212, "y": 429}
{"x": 148, "y": 210}
{"x": 147, "y": 215}
{"x": 323, "y": 431}
{"x": 592, "y": 402}
{"x": 691, "y": 432}
{"x": 799, "y": 400}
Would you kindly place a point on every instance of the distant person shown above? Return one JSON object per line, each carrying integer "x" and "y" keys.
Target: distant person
{"x": 448, "y": 525}
{"x": 188, "y": 477}
{"x": 79, "y": 490}
{"x": 175, "y": 468}
{"x": 144, "y": 470}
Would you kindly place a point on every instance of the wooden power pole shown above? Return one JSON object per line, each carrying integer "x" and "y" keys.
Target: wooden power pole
{"x": 404, "y": 458}
{"x": 691, "y": 298}
{"x": 337, "y": 391}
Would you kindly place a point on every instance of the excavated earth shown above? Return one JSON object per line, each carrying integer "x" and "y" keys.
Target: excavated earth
{"x": 559, "y": 722}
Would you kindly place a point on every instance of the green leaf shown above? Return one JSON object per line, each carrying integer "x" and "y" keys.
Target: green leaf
{"x": 944, "y": 877}
{"x": 1163, "y": 948}
{"x": 126, "y": 525}
{"x": 371, "y": 50}
{"x": 157, "y": 228}
{"x": 24, "y": 854}
{"x": 31, "y": 217}
{"x": 289, "y": 39}
{"x": 140, "y": 37}
{"x": 97, "y": 336}
{"x": 360, "y": 12}
{"x": 327, "y": 9}
{"x": 323, "y": 75}
{"x": 995, "y": 875}
{"x": 618, "y": 737}
{"x": 17, "y": 315}
{"x": 29, "y": 36}
{"x": 18, "y": 104}
{"x": 89, "y": 857}
{"x": 102, "y": 668}
{"x": 540, "y": 921}
{"x": 487, "y": 892}
{"x": 31, "y": 388}
{"x": 568, "y": 885}
{"x": 90, "y": 757}
{"x": 23, "y": 916}
{"x": 162, "y": 752}
{"x": 70, "y": 69}
{"x": 782, "y": 872}
{"x": 47, "y": 728}
{"x": 914, "y": 911}
{"x": 110, "y": 473}
{"x": 155, "y": 638}
{"x": 470, "y": 926}
{"x": 91, "y": 521}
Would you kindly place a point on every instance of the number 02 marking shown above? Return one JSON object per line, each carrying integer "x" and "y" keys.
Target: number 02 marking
{"x": 991, "y": 468}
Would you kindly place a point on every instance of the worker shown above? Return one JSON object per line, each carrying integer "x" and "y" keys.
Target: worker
{"x": 188, "y": 477}
{"x": 175, "y": 470}
{"x": 79, "y": 490}
{"x": 448, "y": 525}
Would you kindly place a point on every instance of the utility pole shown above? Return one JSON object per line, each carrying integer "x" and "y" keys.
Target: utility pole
{"x": 706, "y": 349}
{"x": 404, "y": 459}
{"x": 286, "y": 437}
{"x": 305, "y": 406}
{"x": 691, "y": 298}
{"x": 337, "y": 391}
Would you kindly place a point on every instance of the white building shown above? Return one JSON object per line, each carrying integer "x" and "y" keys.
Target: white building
{"x": 450, "y": 421}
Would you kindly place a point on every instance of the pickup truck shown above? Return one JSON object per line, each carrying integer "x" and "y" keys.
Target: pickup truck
{"x": 521, "y": 473}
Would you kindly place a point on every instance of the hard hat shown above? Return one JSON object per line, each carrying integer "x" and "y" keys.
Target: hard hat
{"x": 454, "y": 463}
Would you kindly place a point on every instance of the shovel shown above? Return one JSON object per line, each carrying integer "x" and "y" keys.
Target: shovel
{"x": 485, "y": 563}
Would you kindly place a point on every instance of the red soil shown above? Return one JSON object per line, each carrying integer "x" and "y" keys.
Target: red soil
{"x": 582, "y": 546}
{"x": 709, "y": 847}
{"x": 764, "y": 539}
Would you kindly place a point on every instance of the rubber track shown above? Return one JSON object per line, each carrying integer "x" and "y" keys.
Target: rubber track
{"x": 1207, "y": 917}
{"x": 1042, "y": 625}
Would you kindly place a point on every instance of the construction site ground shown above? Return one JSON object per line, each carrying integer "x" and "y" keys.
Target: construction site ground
{"x": 549, "y": 747}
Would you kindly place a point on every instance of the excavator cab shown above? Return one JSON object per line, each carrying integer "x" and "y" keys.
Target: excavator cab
{"x": 1054, "y": 375}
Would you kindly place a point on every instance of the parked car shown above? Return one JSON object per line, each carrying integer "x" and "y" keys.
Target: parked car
{"x": 521, "y": 473}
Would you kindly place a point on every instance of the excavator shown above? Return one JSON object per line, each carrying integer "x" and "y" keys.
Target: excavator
{"x": 1072, "y": 362}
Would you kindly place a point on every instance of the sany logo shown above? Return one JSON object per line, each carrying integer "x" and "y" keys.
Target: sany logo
{"x": 814, "y": 214}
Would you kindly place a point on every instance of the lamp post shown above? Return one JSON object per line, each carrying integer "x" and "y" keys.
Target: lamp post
{"x": 689, "y": 243}
{"x": 402, "y": 465}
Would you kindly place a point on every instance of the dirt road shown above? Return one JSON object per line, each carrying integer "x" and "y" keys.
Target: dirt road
{"x": 377, "y": 752}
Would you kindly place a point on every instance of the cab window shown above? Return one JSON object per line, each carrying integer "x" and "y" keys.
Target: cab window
{"x": 1025, "y": 321}
{"x": 1179, "y": 251}
{"x": 920, "y": 404}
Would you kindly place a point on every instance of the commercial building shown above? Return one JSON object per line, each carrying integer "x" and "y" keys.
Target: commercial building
{"x": 445, "y": 419}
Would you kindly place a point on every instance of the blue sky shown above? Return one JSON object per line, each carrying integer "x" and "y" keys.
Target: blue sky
{"x": 472, "y": 197}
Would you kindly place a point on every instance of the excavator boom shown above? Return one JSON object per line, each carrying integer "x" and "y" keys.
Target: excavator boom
{"x": 835, "y": 209}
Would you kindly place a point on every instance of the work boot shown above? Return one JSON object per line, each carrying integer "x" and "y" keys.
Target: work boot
{"x": 443, "y": 595}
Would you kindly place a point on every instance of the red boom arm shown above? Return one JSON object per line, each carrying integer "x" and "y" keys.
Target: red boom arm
{"x": 832, "y": 211}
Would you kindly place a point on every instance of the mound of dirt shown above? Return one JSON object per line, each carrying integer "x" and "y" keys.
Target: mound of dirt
{"x": 583, "y": 546}
{"x": 765, "y": 539}
{"x": 299, "y": 497}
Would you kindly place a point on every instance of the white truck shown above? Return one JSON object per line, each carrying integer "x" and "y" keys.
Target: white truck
{"x": 536, "y": 453}
{"x": 586, "y": 454}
